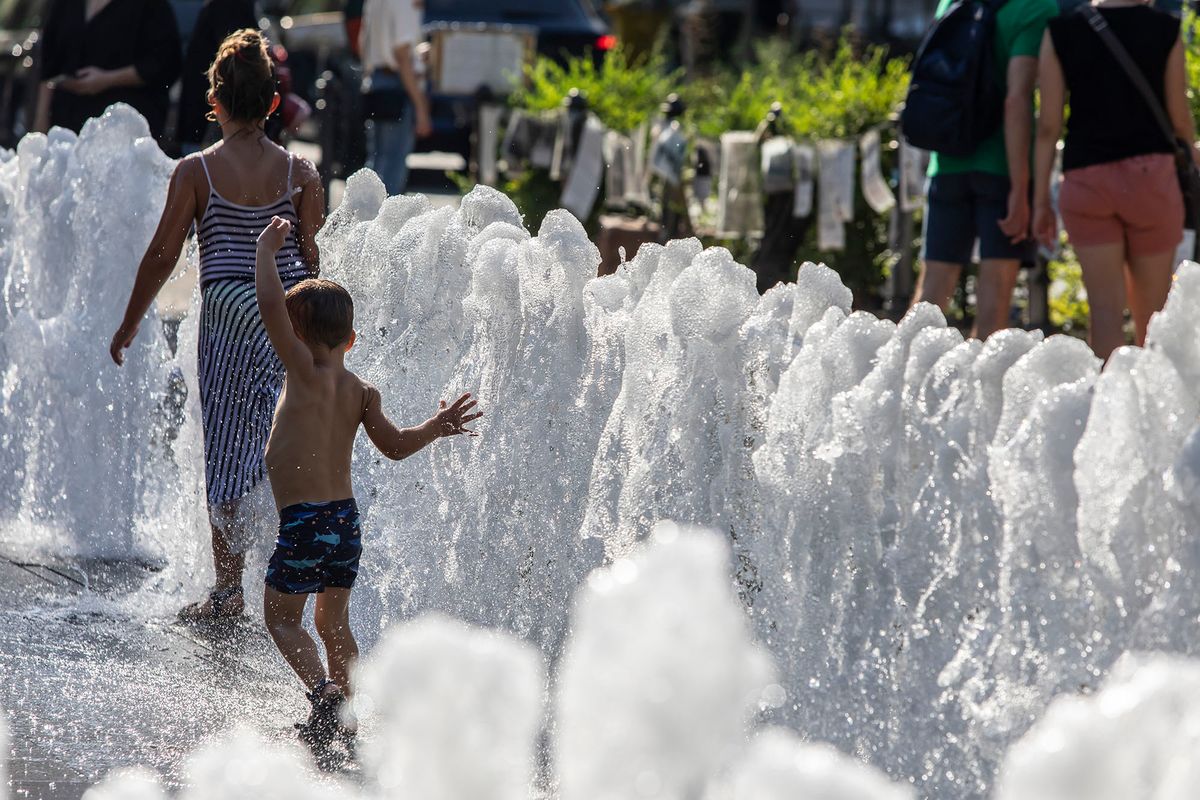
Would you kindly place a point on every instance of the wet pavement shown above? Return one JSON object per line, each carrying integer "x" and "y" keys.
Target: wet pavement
{"x": 88, "y": 687}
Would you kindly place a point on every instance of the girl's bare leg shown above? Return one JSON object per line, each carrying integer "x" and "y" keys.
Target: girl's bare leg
{"x": 1149, "y": 285}
{"x": 1103, "y": 269}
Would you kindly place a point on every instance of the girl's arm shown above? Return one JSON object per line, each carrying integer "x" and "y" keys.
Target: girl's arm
{"x": 161, "y": 256}
{"x": 1175, "y": 91}
{"x": 311, "y": 211}
{"x": 1049, "y": 128}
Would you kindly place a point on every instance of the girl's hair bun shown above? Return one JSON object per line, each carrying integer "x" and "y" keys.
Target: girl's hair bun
{"x": 242, "y": 77}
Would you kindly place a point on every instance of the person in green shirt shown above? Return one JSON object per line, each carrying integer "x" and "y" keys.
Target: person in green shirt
{"x": 984, "y": 197}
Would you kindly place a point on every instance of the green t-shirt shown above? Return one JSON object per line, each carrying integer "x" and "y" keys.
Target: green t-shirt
{"x": 1019, "y": 28}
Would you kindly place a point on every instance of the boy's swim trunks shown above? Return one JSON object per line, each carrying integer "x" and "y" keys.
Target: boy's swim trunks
{"x": 318, "y": 547}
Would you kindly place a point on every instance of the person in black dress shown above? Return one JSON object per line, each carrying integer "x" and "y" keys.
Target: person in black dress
{"x": 217, "y": 19}
{"x": 98, "y": 52}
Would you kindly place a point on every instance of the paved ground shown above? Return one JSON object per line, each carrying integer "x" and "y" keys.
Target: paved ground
{"x": 87, "y": 688}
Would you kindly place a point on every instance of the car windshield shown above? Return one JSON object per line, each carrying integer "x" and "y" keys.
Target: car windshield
{"x": 515, "y": 11}
{"x": 21, "y": 15}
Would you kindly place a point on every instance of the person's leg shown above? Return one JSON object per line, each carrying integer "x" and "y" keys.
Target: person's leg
{"x": 1151, "y": 282}
{"x": 405, "y": 142}
{"x": 949, "y": 236}
{"x": 226, "y": 598}
{"x": 284, "y": 616}
{"x": 936, "y": 283}
{"x": 1000, "y": 256}
{"x": 1151, "y": 209}
{"x": 332, "y": 618}
{"x": 993, "y": 295}
{"x": 1103, "y": 268}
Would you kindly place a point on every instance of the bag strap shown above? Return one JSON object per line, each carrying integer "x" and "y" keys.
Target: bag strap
{"x": 1100, "y": 25}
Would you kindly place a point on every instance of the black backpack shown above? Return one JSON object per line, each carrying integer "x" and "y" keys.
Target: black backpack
{"x": 954, "y": 101}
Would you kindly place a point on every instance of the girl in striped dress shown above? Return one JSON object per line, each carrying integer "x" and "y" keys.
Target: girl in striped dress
{"x": 230, "y": 192}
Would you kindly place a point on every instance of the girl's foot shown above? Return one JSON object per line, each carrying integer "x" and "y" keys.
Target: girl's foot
{"x": 220, "y": 604}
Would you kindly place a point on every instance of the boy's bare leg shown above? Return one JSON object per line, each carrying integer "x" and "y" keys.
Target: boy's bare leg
{"x": 284, "y": 615}
{"x": 333, "y": 626}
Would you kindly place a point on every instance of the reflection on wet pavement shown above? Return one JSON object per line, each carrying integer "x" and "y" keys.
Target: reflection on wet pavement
{"x": 88, "y": 687}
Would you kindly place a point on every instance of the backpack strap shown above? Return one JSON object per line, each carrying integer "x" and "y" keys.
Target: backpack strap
{"x": 1100, "y": 25}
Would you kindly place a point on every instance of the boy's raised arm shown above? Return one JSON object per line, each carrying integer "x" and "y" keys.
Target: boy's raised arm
{"x": 398, "y": 443}
{"x": 268, "y": 288}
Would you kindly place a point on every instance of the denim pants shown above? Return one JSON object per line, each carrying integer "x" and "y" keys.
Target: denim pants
{"x": 389, "y": 141}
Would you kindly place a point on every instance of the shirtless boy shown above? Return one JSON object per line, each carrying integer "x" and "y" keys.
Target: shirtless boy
{"x": 308, "y": 462}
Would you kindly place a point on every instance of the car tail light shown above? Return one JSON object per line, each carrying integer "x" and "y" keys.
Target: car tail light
{"x": 606, "y": 42}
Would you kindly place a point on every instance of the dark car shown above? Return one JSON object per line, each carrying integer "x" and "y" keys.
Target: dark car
{"x": 561, "y": 27}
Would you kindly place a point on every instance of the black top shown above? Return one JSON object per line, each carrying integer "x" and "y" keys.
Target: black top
{"x": 1109, "y": 120}
{"x": 141, "y": 33}
{"x": 217, "y": 19}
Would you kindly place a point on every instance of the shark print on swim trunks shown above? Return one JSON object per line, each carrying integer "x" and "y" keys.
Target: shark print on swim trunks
{"x": 318, "y": 547}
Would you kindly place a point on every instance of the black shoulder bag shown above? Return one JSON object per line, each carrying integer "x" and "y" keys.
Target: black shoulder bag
{"x": 1189, "y": 175}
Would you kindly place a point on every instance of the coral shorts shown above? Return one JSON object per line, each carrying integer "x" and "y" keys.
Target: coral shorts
{"x": 1135, "y": 201}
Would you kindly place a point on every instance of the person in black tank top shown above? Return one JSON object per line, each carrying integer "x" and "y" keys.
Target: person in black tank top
{"x": 1120, "y": 198}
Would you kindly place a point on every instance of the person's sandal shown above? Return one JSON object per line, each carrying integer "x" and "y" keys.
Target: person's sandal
{"x": 218, "y": 606}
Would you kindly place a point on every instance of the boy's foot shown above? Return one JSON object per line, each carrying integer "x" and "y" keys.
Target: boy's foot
{"x": 220, "y": 604}
{"x": 323, "y": 723}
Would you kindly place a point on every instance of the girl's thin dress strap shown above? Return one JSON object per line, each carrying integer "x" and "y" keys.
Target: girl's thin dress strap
{"x": 207, "y": 176}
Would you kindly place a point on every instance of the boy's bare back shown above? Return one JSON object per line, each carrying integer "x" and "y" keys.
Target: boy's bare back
{"x": 323, "y": 403}
{"x": 308, "y": 454}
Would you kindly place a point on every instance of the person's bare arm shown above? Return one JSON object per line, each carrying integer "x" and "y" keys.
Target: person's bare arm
{"x": 161, "y": 256}
{"x": 1175, "y": 92}
{"x": 400, "y": 443}
{"x": 311, "y": 211}
{"x": 1052, "y": 89}
{"x": 403, "y": 56}
{"x": 1018, "y": 130}
{"x": 268, "y": 289}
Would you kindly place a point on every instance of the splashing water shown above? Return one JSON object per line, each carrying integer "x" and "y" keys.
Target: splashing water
{"x": 933, "y": 537}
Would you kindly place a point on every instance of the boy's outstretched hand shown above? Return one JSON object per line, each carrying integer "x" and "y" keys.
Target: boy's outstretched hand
{"x": 275, "y": 234}
{"x": 452, "y": 420}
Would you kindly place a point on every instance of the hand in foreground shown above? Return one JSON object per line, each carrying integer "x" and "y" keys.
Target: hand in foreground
{"x": 452, "y": 421}
{"x": 1045, "y": 225}
{"x": 89, "y": 80}
{"x": 275, "y": 234}
{"x": 120, "y": 342}
{"x": 1016, "y": 225}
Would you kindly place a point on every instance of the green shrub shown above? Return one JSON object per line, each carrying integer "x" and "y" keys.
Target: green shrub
{"x": 623, "y": 91}
{"x": 1068, "y": 298}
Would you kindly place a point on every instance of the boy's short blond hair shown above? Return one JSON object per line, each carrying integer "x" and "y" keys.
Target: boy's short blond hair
{"x": 322, "y": 312}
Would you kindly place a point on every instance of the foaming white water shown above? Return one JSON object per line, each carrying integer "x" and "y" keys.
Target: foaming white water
{"x": 1139, "y": 736}
{"x": 933, "y": 537}
{"x": 87, "y": 449}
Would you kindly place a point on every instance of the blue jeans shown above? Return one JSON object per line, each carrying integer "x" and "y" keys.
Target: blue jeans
{"x": 389, "y": 141}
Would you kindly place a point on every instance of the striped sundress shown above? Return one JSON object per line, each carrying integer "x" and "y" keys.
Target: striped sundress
{"x": 240, "y": 375}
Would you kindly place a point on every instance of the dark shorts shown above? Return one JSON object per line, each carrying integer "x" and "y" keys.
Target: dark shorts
{"x": 318, "y": 548}
{"x": 963, "y": 207}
